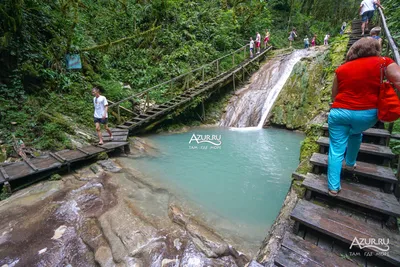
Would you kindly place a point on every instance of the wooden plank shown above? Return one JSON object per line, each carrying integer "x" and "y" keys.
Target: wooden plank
{"x": 113, "y": 145}
{"x": 46, "y": 162}
{"x": 56, "y": 157}
{"x": 361, "y": 196}
{"x": 366, "y": 148}
{"x": 71, "y": 155}
{"x": 123, "y": 126}
{"x": 297, "y": 252}
{"x": 83, "y": 151}
{"x": 368, "y": 170}
{"x": 115, "y": 138}
{"x": 345, "y": 228}
{"x": 27, "y": 161}
{"x": 60, "y": 156}
{"x": 93, "y": 149}
{"x": 298, "y": 176}
{"x": 395, "y": 136}
{"x": 125, "y": 133}
{"x": 118, "y": 130}
{"x": 17, "y": 170}
{"x": 370, "y": 131}
{"x": 4, "y": 174}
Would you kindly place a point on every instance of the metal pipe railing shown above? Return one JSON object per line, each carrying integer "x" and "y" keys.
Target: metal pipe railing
{"x": 391, "y": 43}
{"x": 217, "y": 61}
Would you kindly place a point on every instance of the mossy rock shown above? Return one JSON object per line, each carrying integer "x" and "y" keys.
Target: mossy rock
{"x": 102, "y": 156}
{"x": 55, "y": 177}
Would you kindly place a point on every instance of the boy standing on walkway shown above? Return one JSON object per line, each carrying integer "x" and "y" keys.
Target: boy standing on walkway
{"x": 100, "y": 113}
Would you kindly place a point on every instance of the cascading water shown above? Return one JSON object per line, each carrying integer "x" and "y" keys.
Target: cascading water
{"x": 251, "y": 105}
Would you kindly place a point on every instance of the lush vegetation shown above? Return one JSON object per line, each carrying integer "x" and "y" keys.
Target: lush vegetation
{"x": 139, "y": 43}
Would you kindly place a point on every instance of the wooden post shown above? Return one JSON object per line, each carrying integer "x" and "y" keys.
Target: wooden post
{"x": 243, "y": 73}
{"x": 218, "y": 67}
{"x": 233, "y": 59}
{"x": 244, "y": 53}
{"x": 147, "y": 102}
{"x": 119, "y": 114}
{"x": 202, "y": 78}
{"x": 233, "y": 78}
{"x": 170, "y": 85}
{"x": 203, "y": 110}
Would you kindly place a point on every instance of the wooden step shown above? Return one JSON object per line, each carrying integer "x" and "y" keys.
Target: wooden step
{"x": 346, "y": 229}
{"x": 296, "y": 251}
{"x": 382, "y": 133}
{"x": 368, "y": 170}
{"x": 366, "y": 148}
{"x": 123, "y": 127}
{"x": 357, "y": 194}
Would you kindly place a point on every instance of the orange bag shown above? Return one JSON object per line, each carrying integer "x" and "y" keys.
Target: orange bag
{"x": 388, "y": 100}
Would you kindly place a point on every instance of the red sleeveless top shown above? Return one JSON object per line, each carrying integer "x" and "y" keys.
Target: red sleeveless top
{"x": 359, "y": 83}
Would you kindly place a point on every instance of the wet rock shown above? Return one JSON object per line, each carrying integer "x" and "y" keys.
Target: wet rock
{"x": 108, "y": 221}
{"x": 140, "y": 147}
{"x": 109, "y": 165}
{"x": 253, "y": 263}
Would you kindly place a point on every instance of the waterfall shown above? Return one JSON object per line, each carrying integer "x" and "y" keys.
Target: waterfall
{"x": 250, "y": 106}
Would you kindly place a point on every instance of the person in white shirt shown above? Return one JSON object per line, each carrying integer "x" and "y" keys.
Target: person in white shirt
{"x": 367, "y": 8}
{"x": 100, "y": 113}
{"x": 326, "y": 39}
{"x": 258, "y": 43}
{"x": 251, "y": 47}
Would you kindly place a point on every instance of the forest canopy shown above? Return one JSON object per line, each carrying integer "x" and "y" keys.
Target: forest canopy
{"x": 140, "y": 43}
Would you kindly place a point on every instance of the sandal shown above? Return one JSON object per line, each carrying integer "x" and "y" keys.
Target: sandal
{"x": 101, "y": 143}
{"x": 350, "y": 168}
{"x": 333, "y": 193}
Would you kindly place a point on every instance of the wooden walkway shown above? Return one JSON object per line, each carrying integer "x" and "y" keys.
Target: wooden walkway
{"x": 53, "y": 161}
{"x": 156, "y": 113}
{"x": 366, "y": 208}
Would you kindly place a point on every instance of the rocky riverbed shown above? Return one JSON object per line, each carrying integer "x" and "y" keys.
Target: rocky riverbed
{"x": 107, "y": 215}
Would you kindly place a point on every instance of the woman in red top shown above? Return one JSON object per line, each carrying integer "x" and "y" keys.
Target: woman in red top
{"x": 355, "y": 93}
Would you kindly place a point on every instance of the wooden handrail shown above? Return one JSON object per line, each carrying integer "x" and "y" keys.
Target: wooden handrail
{"x": 176, "y": 78}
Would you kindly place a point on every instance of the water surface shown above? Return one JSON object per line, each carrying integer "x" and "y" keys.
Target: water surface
{"x": 237, "y": 187}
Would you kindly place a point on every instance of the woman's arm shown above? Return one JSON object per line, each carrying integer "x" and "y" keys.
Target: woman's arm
{"x": 335, "y": 88}
{"x": 393, "y": 74}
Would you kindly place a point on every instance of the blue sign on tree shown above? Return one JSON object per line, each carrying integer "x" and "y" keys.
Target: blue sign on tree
{"x": 73, "y": 61}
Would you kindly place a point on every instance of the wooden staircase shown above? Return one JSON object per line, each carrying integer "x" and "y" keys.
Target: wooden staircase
{"x": 366, "y": 207}
{"x": 356, "y": 32}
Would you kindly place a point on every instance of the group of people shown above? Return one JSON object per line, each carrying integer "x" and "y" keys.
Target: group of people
{"x": 313, "y": 41}
{"x": 293, "y": 35}
{"x": 367, "y": 10}
{"x": 258, "y": 42}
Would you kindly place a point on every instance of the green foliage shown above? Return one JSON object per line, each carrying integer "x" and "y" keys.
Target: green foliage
{"x": 36, "y": 35}
{"x": 55, "y": 177}
{"x": 4, "y": 193}
{"x": 308, "y": 147}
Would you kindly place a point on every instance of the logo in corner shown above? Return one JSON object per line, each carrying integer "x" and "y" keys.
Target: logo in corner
{"x": 380, "y": 244}
{"x": 211, "y": 139}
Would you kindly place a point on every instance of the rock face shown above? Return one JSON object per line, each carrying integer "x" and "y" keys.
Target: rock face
{"x": 105, "y": 218}
{"x": 305, "y": 95}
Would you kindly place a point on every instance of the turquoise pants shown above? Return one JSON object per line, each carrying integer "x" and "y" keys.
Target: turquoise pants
{"x": 345, "y": 130}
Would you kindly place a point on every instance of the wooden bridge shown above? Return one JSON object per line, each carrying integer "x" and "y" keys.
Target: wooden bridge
{"x": 45, "y": 165}
{"x": 367, "y": 207}
{"x": 196, "y": 84}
